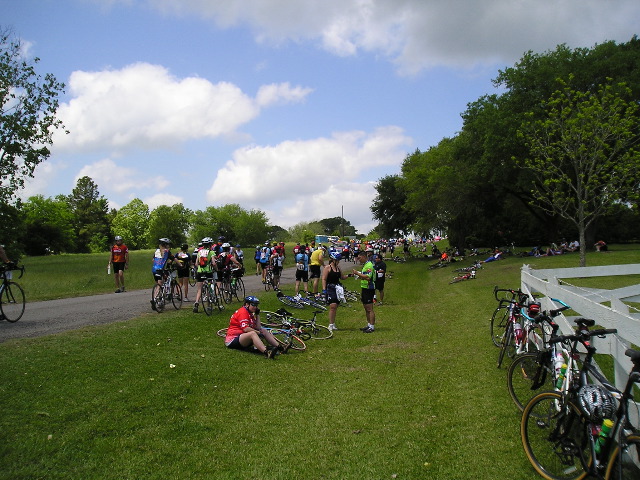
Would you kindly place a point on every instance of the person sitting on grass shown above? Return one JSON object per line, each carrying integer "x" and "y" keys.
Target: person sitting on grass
{"x": 246, "y": 333}
{"x": 601, "y": 246}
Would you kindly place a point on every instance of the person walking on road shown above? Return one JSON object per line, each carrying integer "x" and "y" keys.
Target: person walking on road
{"x": 119, "y": 261}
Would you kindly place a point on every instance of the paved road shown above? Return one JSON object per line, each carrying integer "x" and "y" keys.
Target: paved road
{"x": 55, "y": 316}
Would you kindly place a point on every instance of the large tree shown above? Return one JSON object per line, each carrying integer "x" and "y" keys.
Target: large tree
{"x": 91, "y": 216}
{"x": 49, "y": 225}
{"x": 170, "y": 222}
{"x": 131, "y": 223}
{"x": 28, "y": 106}
{"x": 582, "y": 153}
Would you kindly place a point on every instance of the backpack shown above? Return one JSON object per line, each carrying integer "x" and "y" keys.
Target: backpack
{"x": 221, "y": 261}
{"x": 203, "y": 257}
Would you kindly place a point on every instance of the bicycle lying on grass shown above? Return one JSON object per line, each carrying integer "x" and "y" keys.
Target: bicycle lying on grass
{"x": 285, "y": 334}
{"x": 465, "y": 276}
{"x": 298, "y": 301}
{"x": 12, "y": 300}
{"x": 309, "y": 329}
{"x": 578, "y": 431}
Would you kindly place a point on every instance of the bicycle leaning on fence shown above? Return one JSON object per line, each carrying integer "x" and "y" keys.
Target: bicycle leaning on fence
{"x": 12, "y": 299}
{"x": 579, "y": 431}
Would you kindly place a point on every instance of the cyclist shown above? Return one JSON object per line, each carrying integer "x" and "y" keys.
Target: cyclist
{"x": 184, "y": 261}
{"x": 224, "y": 260}
{"x": 367, "y": 276}
{"x": 119, "y": 259}
{"x": 265, "y": 254}
{"x": 316, "y": 265}
{"x": 206, "y": 265}
{"x": 302, "y": 270}
{"x": 277, "y": 262}
{"x": 246, "y": 333}
{"x": 161, "y": 258}
{"x": 331, "y": 276}
{"x": 381, "y": 271}
{"x": 239, "y": 253}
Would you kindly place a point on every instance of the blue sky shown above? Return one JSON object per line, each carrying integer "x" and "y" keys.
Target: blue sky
{"x": 294, "y": 107}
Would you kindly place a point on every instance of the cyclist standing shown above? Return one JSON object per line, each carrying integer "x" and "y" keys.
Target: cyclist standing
{"x": 205, "y": 267}
{"x": 302, "y": 270}
{"x": 184, "y": 259}
{"x": 381, "y": 271}
{"x": 367, "y": 276}
{"x": 161, "y": 258}
{"x": 316, "y": 265}
{"x": 331, "y": 276}
{"x": 119, "y": 259}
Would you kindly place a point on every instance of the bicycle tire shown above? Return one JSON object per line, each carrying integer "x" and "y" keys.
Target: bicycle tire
{"x": 290, "y": 302}
{"x": 526, "y": 378}
{"x": 226, "y": 291}
{"x": 206, "y": 296}
{"x": 317, "y": 332}
{"x": 157, "y": 297}
{"x": 217, "y": 298}
{"x": 498, "y": 324}
{"x": 283, "y": 338}
{"x": 628, "y": 468}
{"x": 192, "y": 277}
{"x": 554, "y": 436}
{"x": 176, "y": 295}
{"x": 313, "y": 303}
{"x": 222, "y": 332}
{"x": 239, "y": 290}
{"x": 350, "y": 296}
{"x": 268, "y": 281}
{"x": 12, "y": 302}
{"x": 507, "y": 341}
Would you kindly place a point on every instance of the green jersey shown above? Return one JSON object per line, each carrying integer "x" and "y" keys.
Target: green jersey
{"x": 368, "y": 270}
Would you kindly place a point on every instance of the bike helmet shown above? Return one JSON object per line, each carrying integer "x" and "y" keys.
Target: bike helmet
{"x": 335, "y": 256}
{"x": 238, "y": 246}
{"x": 226, "y": 245}
{"x": 252, "y": 300}
{"x": 221, "y": 238}
{"x": 118, "y": 237}
{"x": 206, "y": 240}
{"x": 596, "y": 402}
{"x": 164, "y": 240}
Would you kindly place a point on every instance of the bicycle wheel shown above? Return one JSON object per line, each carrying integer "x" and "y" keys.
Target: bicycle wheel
{"x": 554, "y": 437}
{"x": 527, "y": 376}
{"x": 350, "y": 296}
{"x": 207, "y": 297}
{"x": 157, "y": 298}
{"x": 317, "y": 332}
{"x": 498, "y": 325}
{"x": 289, "y": 301}
{"x": 313, "y": 303}
{"x": 192, "y": 277}
{"x": 239, "y": 290}
{"x": 226, "y": 291}
{"x": 216, "y": 298}
{"x": 222, "y": 332}
{"x": 284, "y": 338}
{"x": 12, "y": 302}
{"x": 624, "y": 462}
{"x": 506, "y": 344}
{"x": 176, "y": 295}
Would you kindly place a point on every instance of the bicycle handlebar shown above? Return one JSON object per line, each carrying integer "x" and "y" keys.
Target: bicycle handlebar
{"x": 6, "y": 267}
{"x": 583, "y": 335}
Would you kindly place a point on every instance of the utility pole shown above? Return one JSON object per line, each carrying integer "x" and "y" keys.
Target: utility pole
{"x": 342, "y": 222}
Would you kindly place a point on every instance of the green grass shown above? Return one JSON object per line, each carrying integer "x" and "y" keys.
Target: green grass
{"x": 419, "y": 398}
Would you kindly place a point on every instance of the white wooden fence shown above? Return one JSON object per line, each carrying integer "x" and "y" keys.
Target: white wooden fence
{"x": 606, "y": 307}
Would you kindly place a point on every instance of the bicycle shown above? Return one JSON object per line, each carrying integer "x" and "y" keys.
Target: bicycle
{"x": 211, "y": 296}
{"x": 465, "y": 276}
{"x": 12, "y": 299}
{"x": 309, "y": 329}
{"x": 192, "y": 275}
{"x": 561, "y": 431}
{"x": 299, "y": 301}
{"x": 168, "y": 291}
{"x": 532, "y": 372}
{"x": 237, "y": 284}
{"x": 268, "y": 279}
{"x": 500, "y": 317}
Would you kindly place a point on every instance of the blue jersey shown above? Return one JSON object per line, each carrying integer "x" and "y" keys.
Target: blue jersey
{"x": 302, "y": 261}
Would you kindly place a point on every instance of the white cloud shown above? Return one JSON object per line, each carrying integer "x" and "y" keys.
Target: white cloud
{"x": 418, "y": 34}
{"x": 110, "y": 176}
{"x": 144, "y": 106}
{"x": 316, "y": 176}
{"x": 43, "y": 175}
{"x": 162, "y": 199}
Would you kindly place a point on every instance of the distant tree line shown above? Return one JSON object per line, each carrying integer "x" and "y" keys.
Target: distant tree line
{"x": 82, "y": 222}
{"x": 553, "y": 156}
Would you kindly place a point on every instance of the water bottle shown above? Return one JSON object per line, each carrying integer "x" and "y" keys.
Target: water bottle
{"x": 109, "y": 269}
{"x": 518, "y": 331}
{"x": 607, "y": 424}
{"x": 563, "y": 371}
{"x": 558, "y": 363}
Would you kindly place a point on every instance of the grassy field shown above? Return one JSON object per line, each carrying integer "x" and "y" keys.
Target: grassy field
{"x": 419, "y": 398}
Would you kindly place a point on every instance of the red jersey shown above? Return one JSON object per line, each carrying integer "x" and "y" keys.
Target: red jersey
{"x": 240, "y": 320}
{"x": 119, "y": 253}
